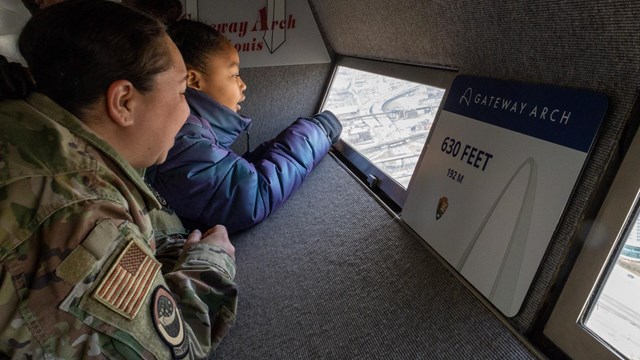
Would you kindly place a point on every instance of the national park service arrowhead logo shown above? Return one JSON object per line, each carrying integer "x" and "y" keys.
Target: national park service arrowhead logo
{"x": 443, "y": 204}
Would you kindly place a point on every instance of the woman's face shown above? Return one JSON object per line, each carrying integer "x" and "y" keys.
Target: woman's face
{"x": 162, "y": 112}
{"x": 222, "y": 80}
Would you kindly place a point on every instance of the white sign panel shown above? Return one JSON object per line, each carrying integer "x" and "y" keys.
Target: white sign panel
{"x": 267, "y": 32}
{"x": 499, "y": 169}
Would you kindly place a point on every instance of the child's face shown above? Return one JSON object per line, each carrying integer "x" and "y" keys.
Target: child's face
{"x": 222, "y": 80}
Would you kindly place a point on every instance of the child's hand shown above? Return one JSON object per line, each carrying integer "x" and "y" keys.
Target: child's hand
{"x": 330, "y": 123}
{"x": 217, "y": 235}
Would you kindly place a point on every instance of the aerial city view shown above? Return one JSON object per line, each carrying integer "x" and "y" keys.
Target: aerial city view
{"x": 615, "y": 316}
{"x": 384, "y": 118}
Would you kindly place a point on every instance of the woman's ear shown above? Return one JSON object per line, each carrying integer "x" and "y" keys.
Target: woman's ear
{"x": 120, "y": 102}
{"x": 194, "y": 79}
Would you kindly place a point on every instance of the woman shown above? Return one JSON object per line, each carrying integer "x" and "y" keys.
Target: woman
{"x": 79, "y": 278}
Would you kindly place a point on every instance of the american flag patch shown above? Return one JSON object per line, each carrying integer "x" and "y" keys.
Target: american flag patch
{"x": 128, "y": 282}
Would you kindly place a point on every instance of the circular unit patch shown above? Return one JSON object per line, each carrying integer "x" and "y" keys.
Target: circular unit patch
{"x": 168, "y": 321}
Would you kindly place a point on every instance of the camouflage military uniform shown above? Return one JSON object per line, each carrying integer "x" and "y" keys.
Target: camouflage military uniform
{"x": 78, "y": 275}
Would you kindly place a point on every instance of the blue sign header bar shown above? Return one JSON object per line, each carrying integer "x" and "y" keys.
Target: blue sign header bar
{"x": 567, "y": 117}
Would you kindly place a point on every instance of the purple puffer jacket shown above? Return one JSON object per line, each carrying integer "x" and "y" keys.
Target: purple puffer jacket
{"x": 207, "y": 184}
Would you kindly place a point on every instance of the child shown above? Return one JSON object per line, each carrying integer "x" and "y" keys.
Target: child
{"x": 203, "y": 180}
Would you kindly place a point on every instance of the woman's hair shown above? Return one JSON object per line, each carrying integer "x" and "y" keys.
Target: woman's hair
{"x": 167, "y": 11}
{"x": 196, "y": 42}
{"x": 76, "y": 49}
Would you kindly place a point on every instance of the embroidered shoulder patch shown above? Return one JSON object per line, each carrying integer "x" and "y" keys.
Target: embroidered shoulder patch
{"x": 168, "y": 321}
{"x": 128, "y": 282}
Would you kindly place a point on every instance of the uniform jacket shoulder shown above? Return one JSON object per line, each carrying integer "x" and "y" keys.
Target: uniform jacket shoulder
{"x": 43, "y": 169}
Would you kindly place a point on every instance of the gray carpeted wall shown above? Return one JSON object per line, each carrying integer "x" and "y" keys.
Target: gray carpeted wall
{"x": 318, "y": 280}
{"x": 593, "y": 44}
